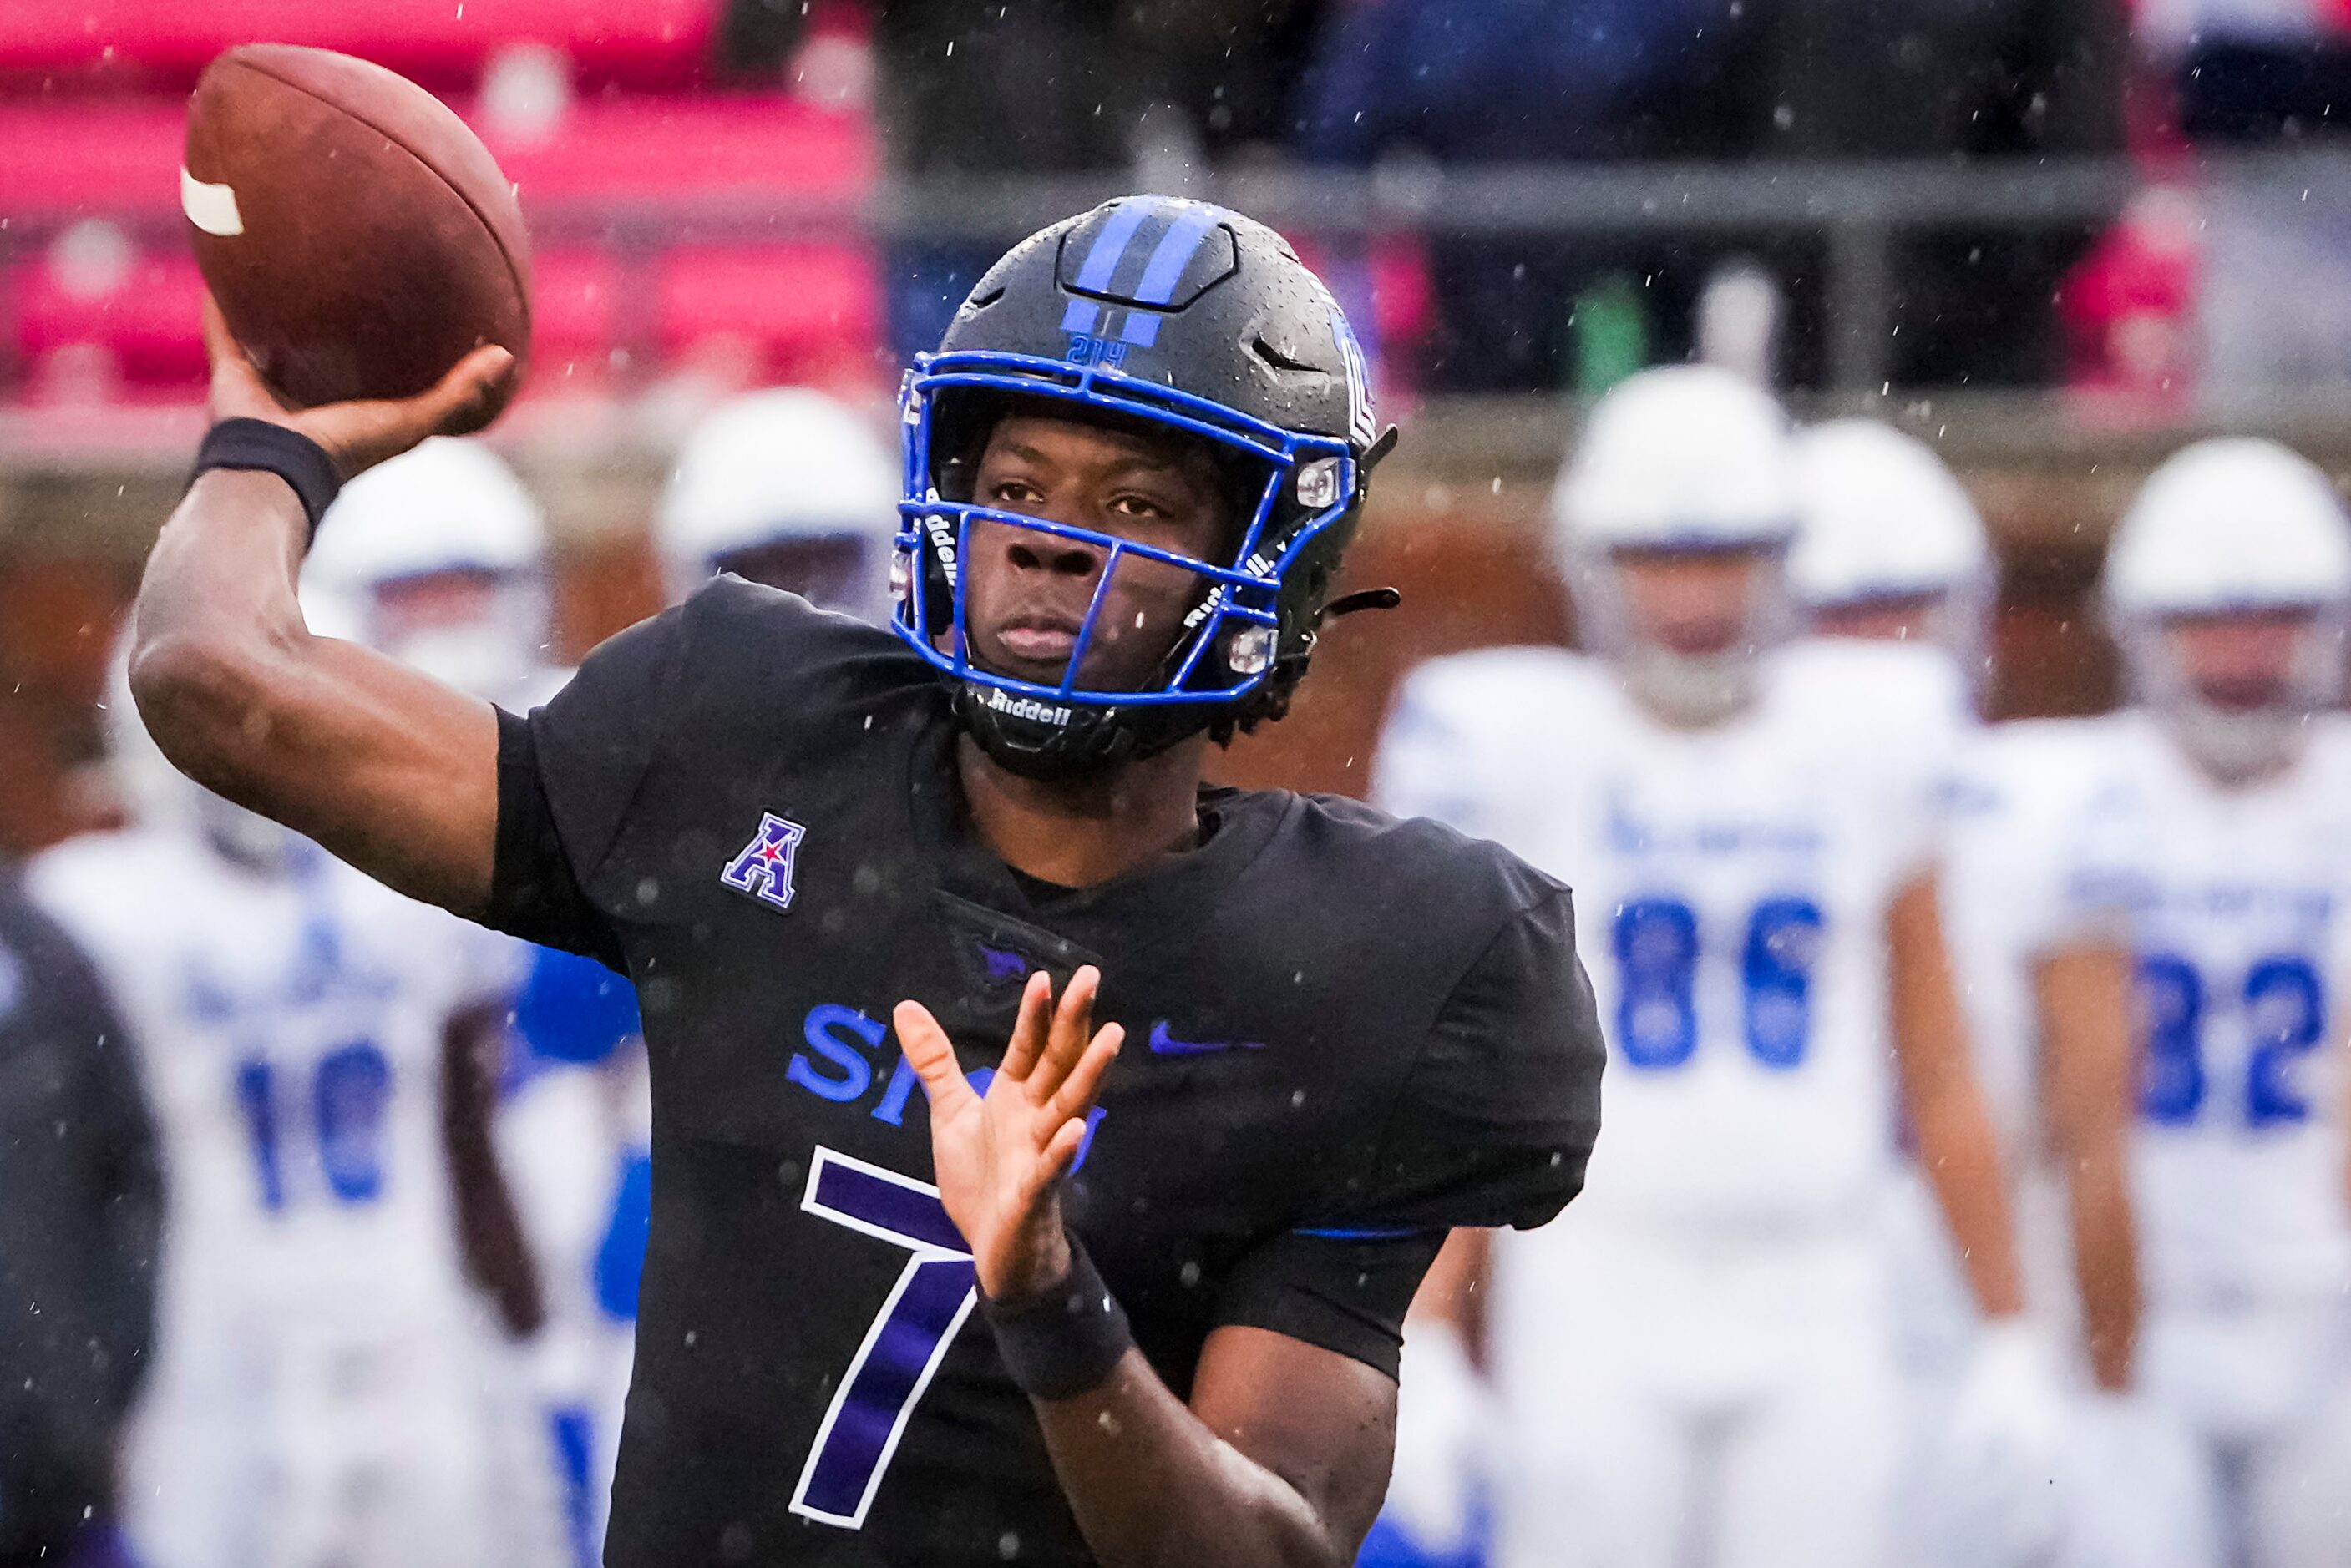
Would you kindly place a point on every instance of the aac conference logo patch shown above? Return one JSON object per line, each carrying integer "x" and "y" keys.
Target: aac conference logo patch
{"x": 762, "y": 869}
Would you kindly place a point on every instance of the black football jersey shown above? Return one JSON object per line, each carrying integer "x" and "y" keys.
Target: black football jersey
{"x": 1345, "y": 1035}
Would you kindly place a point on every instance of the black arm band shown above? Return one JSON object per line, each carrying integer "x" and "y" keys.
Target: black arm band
{"x": 1065, "y": 1342}
{"x": 274, "y": 449}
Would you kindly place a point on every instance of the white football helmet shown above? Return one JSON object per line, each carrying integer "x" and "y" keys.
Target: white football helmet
{"x": 1883, "y": 520}
{"x": 2232, "y": 526}
{"x": 794, "y": 476}
{"x": 1682, "y": 458}
{"x": 451, "y": 509}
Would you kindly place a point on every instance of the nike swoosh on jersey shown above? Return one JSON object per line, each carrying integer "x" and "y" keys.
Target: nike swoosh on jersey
{"x": 1166, "y": 1044}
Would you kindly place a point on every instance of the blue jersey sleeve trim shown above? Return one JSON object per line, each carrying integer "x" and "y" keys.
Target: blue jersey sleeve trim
{"x": 1361, "y": 1232}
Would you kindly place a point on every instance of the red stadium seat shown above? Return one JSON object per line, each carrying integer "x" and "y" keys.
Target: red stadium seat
{"x": 806, "y": 313}
{"x": 125, "y": 156}
{"x": 625, "y": 150}
{"x": 125, "y": 314}
{"x": 141, "y": 45}
{"x": 145, "y": 319}
{"x": 67, "y": 158}
{"x": 574, "y": 317}
{"x": 788, "y": 312}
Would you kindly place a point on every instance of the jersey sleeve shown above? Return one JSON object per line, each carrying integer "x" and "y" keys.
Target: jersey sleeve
{"x": 2099, "y": 878}
{"x": 1342, "y": 1292}
{"x": 566, "y": 775}
{"x": 1918, "y": 737}
{"x": 2033, "y": 832}
{"x": 1992, "y": 873}
{"x": 1493, "y": 1126}
{"x": 1435, "y": 755}
{"x": 573, "y": 1009}
{"x": 1496, "y": 1119}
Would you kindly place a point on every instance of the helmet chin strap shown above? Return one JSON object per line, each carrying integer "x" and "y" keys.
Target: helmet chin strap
{"x": 1691, "y": 691}
{"x": 2238, "y": 745}
{"x": 1088, "y": 744}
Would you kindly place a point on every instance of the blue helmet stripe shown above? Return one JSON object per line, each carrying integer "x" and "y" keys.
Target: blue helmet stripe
{"x": 1174, "y": 252}
{"x": 1111, "y": 243}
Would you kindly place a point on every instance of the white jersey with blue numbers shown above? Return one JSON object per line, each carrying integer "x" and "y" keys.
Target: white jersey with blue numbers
{"x": 2238, "y": 903}
{"x": 329, "y": 1390}
{"x": 1731, "y": 888}
{"x": 292, "y": 1030}
{"x": 2014, "y": 815}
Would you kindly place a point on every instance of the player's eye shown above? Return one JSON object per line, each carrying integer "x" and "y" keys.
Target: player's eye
{"x": 1013, "y": 493}
{"x": 1137, "y": 506}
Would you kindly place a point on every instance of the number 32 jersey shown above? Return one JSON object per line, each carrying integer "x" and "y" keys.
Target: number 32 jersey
{"x": 2237, "y": 906}
{"x": 1735, "y": 882}
{"x": 1344, "y": 1035}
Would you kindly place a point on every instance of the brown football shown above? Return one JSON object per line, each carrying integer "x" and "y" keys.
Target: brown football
{"x": 359, "y": 238}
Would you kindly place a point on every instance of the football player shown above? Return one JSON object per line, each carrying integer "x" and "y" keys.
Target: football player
{"x": 787, "y": 487}
{"x": 994, "y": 1290}
{"x": 443, "y": 558}
{"x": 443, "y": 554}
{"x": 80, "y": 1228}
{"x": 332, "y": 1382}
{"x": 1888, "y": 547}
{"x": 2223, "y": 838}
{"x": 1749, "y": 825}
{"x": 1891, "y": 549}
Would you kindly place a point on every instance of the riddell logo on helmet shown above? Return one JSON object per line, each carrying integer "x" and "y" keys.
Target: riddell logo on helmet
{"x": 1025, "y": 708}
{"x": 943, "y": 540}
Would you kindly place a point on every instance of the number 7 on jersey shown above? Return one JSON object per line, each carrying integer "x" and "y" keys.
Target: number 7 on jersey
{"x": 909, "y": 1336}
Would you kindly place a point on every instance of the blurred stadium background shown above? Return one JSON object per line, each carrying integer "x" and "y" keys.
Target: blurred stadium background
{"x": 2055, "y": 237}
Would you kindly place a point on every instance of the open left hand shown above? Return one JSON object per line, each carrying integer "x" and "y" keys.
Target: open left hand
{"x": 1001, "y": 1156}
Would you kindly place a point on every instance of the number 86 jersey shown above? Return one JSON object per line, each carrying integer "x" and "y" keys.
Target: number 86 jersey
{"x": 1733, "y": 884}
{"x": 2235, "y": 904}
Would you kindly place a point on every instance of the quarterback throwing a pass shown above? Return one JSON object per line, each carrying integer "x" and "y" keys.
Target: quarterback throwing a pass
{"x": 1009, "y": 1287}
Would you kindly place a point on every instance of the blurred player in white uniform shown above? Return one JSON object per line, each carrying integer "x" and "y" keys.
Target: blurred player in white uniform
{"x": 332, "y": 1382}
{"x": 1697, "y": 1367}
{"x": 787, "y": 487}
{"x": 442, "y": 555}
{"x": 1891, "y": 550}
{"x": 2225, "y": 842}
